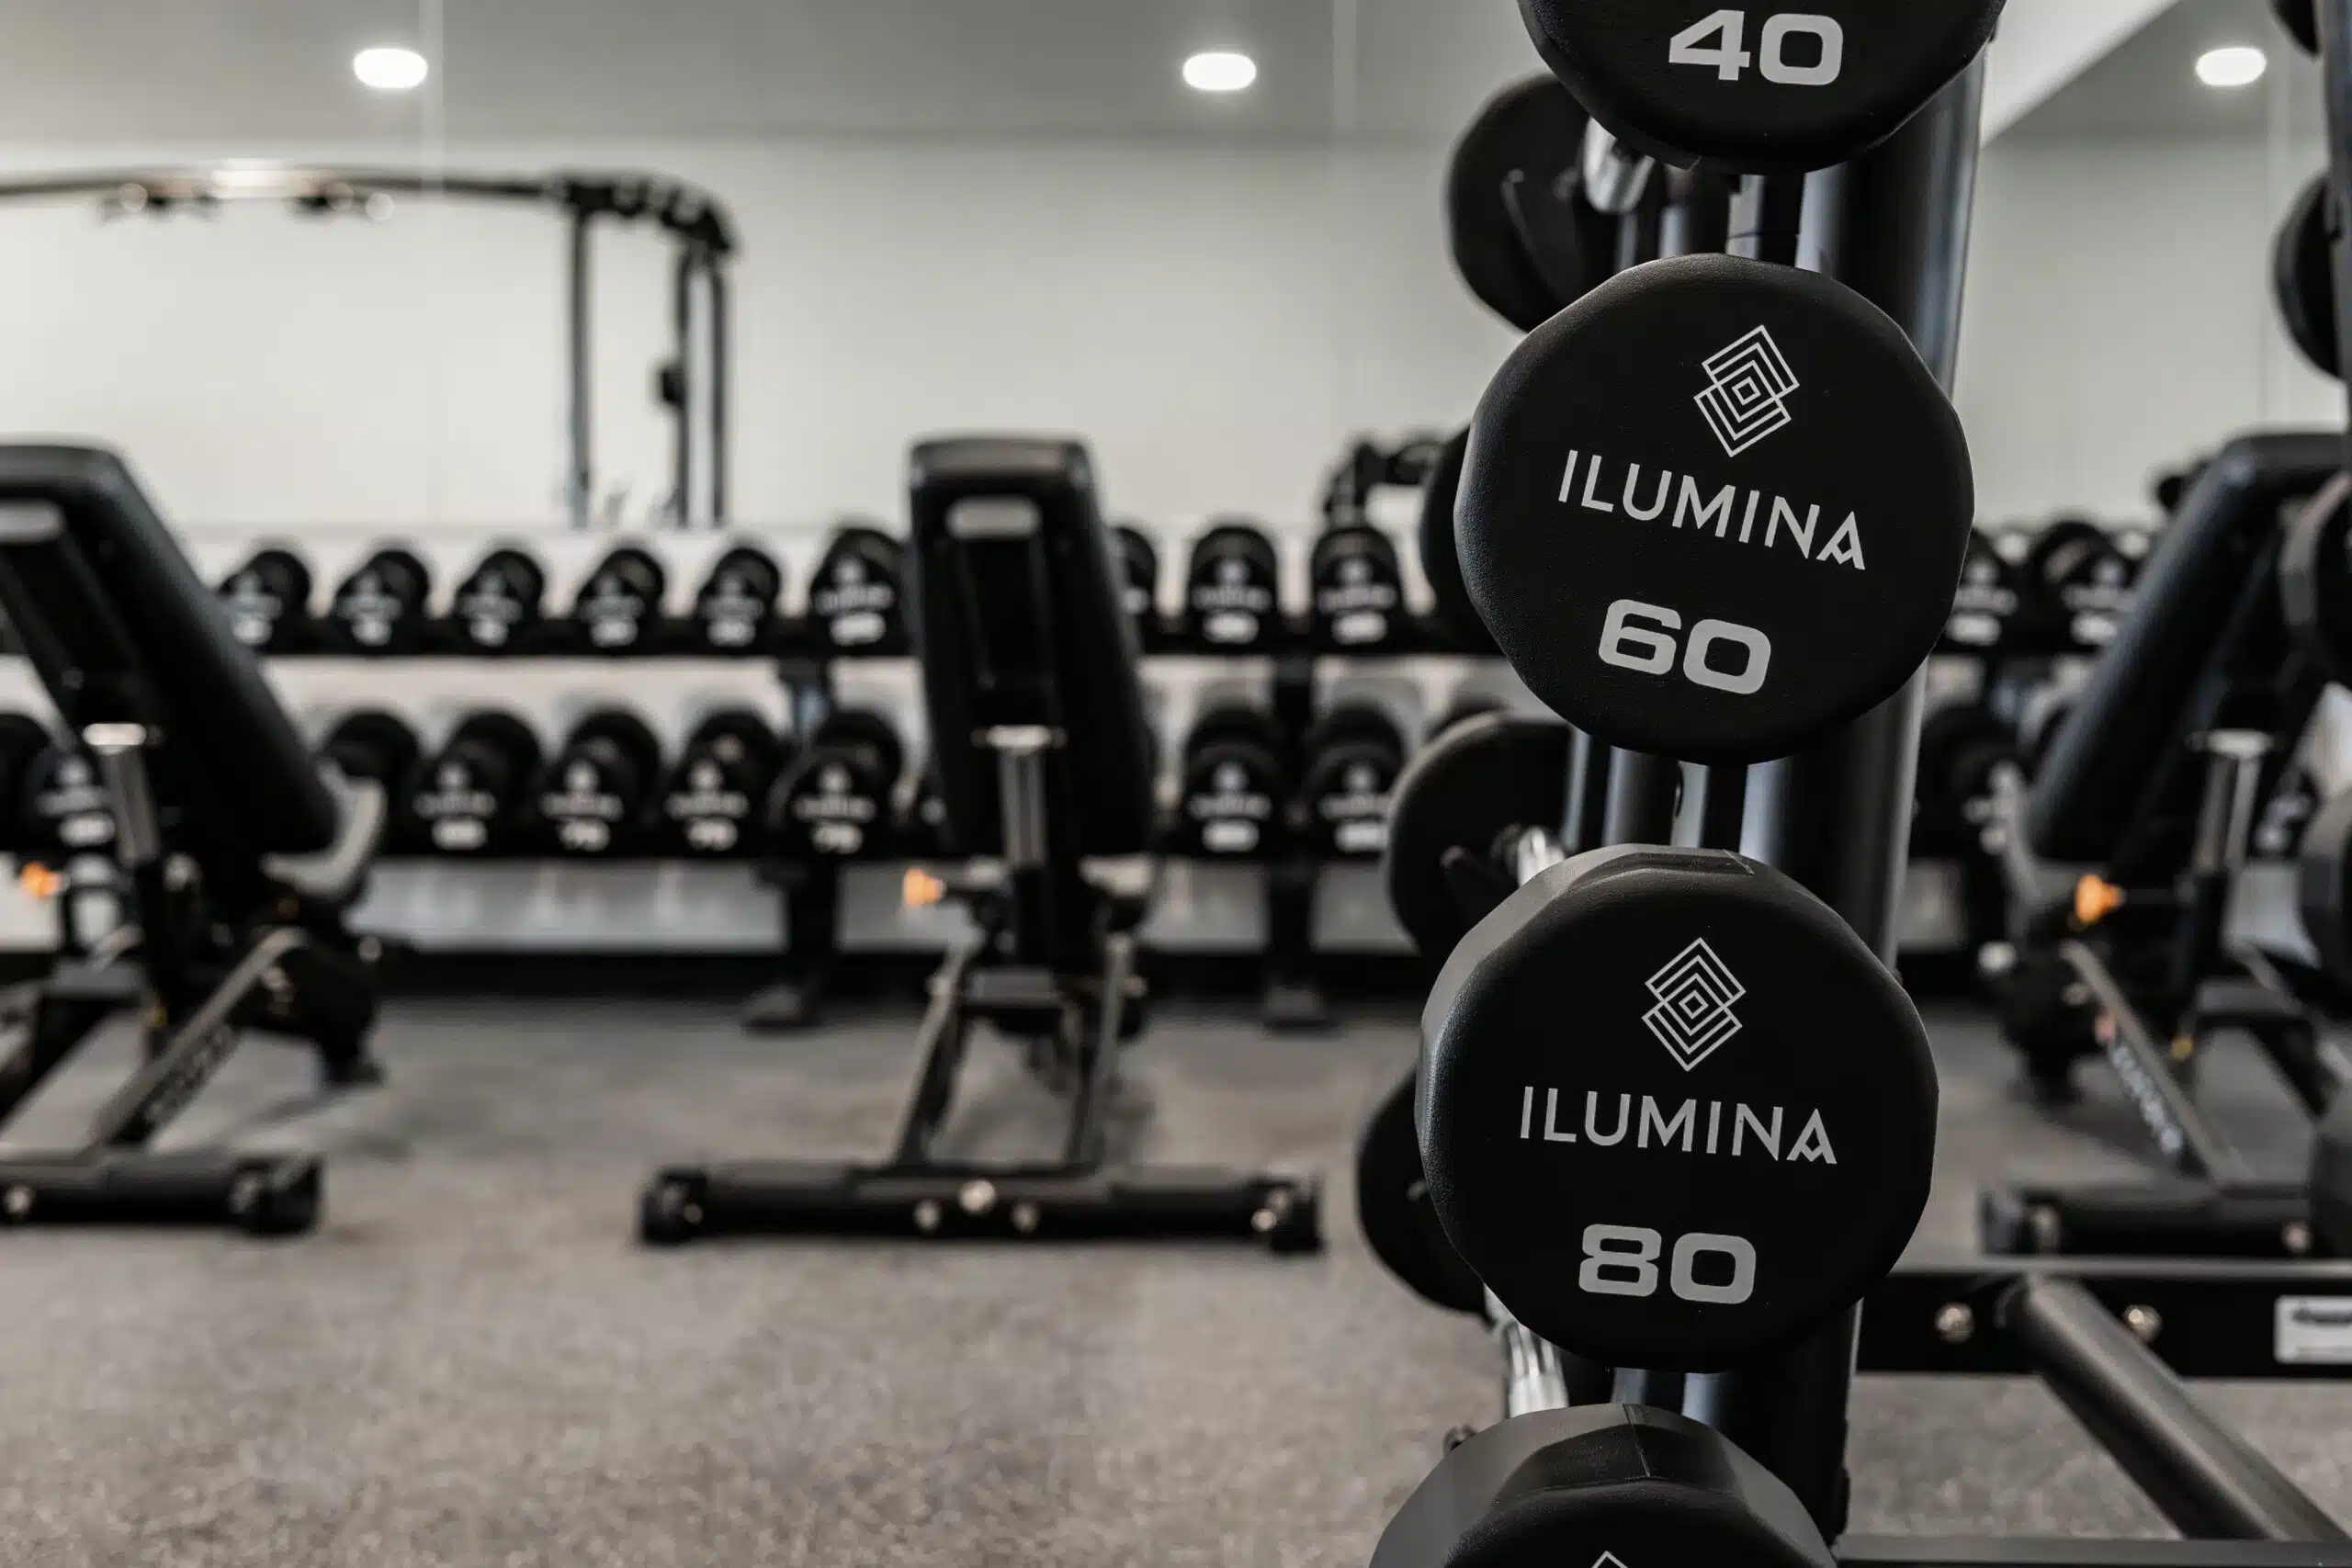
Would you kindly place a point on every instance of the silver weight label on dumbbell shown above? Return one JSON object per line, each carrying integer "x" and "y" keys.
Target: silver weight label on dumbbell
{"x": 1673, "y": 1111}
{"x": 1714, "y": 508}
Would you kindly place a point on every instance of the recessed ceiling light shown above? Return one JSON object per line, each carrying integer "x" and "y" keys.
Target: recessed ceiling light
{"x": 390, "y": 69}
{"x": 1219, "y": 72}
{"x": 2233, "y": 65}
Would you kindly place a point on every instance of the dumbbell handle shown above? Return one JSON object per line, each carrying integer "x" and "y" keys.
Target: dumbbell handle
{"x": 1534, "y": 1377}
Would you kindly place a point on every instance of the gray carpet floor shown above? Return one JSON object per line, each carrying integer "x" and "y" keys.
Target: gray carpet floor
{"x": 471, "y": 1363}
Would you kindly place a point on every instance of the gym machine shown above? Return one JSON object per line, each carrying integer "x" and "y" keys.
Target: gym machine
{"x": 1734, "y": 1140}
{"x": 693, "y": 384}
{"x": 241, "y": 855}
{"x": 1043, "y": 760}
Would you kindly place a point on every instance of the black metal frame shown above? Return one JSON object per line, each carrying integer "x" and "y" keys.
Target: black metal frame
{"x": 694, "y": 385}
{"x": 1051, "y": 968}
{"x": 198, "y": 1016}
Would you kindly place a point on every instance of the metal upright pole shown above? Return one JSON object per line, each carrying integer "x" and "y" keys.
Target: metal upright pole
{"x": 721, "y": 330}
{"x": 681, "y": 361}
{"x": 1893, "y": 226}
{"x": 581, "y": 479}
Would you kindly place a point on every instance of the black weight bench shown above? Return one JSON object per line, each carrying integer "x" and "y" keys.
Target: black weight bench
{"x": 2121, "y": 857}
{"x": 1044, "y": 760}
{"x": 239, "y": 854}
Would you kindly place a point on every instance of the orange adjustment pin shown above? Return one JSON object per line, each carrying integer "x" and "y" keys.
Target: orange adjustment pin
{"x": 920, "y": 890}
{"x": 40, "y": 883}
{"x": 2095, "y": 899}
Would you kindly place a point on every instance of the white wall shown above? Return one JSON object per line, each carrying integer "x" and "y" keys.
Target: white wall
{"x": 2120, "y": 319}
{"x": 1217, "y": 321}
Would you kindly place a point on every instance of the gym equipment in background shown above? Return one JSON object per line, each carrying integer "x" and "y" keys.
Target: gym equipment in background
{"x": 692, "y": 382}
{"x": 472, "y": 797}
{"x": 736, "y": 606}
{"x": 594, "y": 793}
{"x": 1352, "y": 754}
{"x": 1140, "y": 581}
{"x": 1520, "y": 236}
{"x": 712, "y": 803}
{"x": 2302, "y": 276}
{"x": 1233, "y": 785}
{"x": 1233, "y": 590}
{"x": 618, "y": 607}
{"x": 268, "y": 600}
{"x": 1356, "y": 590}
{"x": 380, "y": 607}
{"x": 500, "y": 604}
{"x": 1044, "y": 759}
{"x": 240, "y": 857}
{"x": 836, "y": 801}
{"x": 858, "y": 598}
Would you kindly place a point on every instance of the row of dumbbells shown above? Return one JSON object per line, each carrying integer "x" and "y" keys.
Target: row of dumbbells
{"x": 2060, "y": 588}
{"x": 1231, "y": 601}
{"x": 739, "y": 789}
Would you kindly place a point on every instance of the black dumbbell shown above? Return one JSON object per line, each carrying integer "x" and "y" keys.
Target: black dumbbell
{"x": 1358, "y": 590}
{"x": 473, "y": 795}
{"x": 1639, "y": 544}
{"x": 268, "y": 600}
{"x": 1741, "y": 1065}
{"x": 1960, "y": 746}
{"x": 373, "y": 746}
{"x": 1523, "y": 152}
{"x": 2303, "y": 276}
{"x": 618, "y": 608}
{"x": 501, "y": 603}
{"x": 858, "y": 598}
{"x": 1468, "y": 703}
{"x": 1439, "y": 563}
{"x": 833, "y": 801}
{"x": 712, "y": 801}
{"x": 1230, "y": 800}
{"x": 66, "y": 809}
{"x": 1232, "y": 590}
{"x": 594, "y": 793}
{"x": 380, "y": 608}
{"x": 737, "y": 602}
{"x": 1138, "y": 577}
{"x": 1354, "y": 756}
{"x": 2082, "y": 578}
{"x": 1605, "y": 1484}
{"x": 378, "y": 748}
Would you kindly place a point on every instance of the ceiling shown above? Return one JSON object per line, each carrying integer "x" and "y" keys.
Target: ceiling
{"x": 2147, "y": 85}
{"x": 161, "y": 72}
{"x": 149, "y": 70}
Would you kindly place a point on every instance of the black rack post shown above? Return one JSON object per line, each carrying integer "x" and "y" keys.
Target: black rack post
{"x": 2205, "y": 1478}
{"x": 580, "y": 478}
{"x": 1293, "y": 999}
{"x": 1893, "y": 225}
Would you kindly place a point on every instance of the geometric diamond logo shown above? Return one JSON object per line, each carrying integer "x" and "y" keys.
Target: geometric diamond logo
{"x": 1748, "y": 390}
{"x": 1693, "y": 1016}
{"x": 1609, "y": 1560}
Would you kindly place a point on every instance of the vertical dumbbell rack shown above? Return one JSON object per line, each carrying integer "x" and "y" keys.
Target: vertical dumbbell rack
{"x": 1737, "y": 1449}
